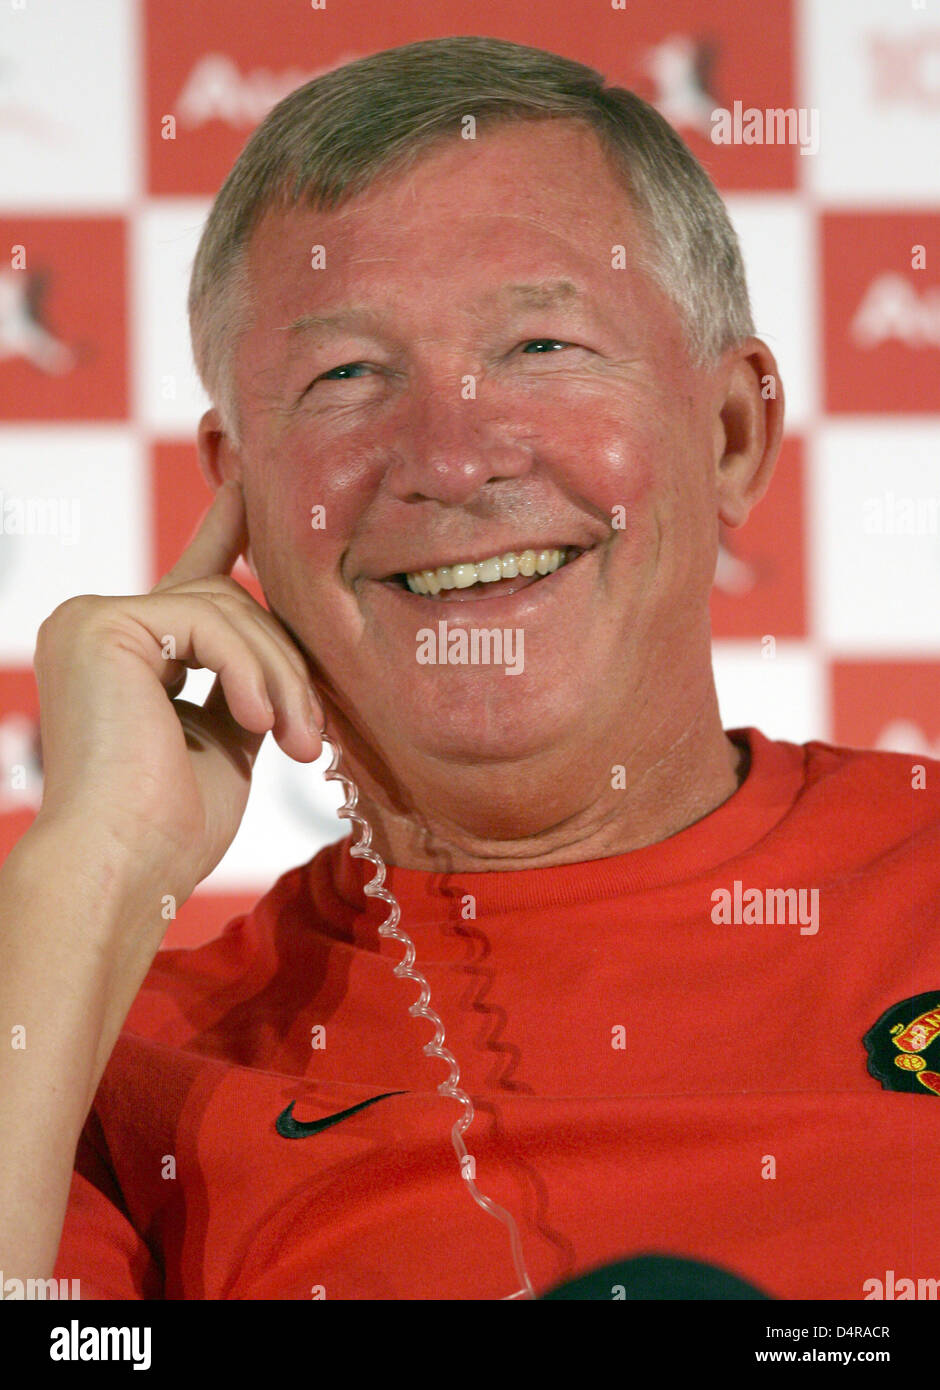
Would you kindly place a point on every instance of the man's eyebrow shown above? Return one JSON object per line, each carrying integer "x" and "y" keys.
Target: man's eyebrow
{"x": 544, "y": 294}
{"x": 355, "y": 316}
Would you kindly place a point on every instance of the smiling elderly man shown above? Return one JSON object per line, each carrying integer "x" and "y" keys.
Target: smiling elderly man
{"x": 477, "y": 335}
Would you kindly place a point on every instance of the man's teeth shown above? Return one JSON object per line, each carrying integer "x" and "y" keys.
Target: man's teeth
{"x": 509, "y": 566}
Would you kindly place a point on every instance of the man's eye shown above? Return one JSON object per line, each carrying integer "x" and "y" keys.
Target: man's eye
{"x": 346, "y": 368}
{"x": 540, "y": 343}
{"x": 331, "y": 375}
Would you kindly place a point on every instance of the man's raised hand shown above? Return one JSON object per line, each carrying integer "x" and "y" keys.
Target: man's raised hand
{"x": 167, "y": 779}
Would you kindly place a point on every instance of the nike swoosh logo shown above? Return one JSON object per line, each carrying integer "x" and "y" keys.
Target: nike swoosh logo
{"x": 289, "y": 1128}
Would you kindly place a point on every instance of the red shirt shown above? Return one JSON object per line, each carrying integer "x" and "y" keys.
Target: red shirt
{"x": 648, "y": 1077}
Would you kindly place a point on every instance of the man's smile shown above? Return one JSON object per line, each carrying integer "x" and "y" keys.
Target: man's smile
{"x": 499, "y": 599}
{"x": 499, "y": 574}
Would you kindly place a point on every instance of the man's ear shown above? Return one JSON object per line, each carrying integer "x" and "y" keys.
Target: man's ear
{"x": 748, "y": 429}
{"x": 219, "y": 459}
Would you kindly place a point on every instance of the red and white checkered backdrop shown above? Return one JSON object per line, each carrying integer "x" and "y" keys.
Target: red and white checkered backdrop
{"x": 99, "y": 219}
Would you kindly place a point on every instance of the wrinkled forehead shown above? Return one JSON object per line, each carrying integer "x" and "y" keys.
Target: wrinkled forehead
{"x": 546, "y": 188}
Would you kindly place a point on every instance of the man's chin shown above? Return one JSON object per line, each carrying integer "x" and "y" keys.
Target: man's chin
{"x": 508, "y": 736}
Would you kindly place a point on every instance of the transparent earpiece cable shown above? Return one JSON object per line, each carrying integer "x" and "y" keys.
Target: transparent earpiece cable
{"x": 362, "y": 849}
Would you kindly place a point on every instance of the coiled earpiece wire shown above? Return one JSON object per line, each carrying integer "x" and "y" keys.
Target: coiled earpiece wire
{"x": 362, "y": 849}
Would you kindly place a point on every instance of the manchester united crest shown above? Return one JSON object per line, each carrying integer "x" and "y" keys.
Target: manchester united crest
{"x": 904, "y": 1045}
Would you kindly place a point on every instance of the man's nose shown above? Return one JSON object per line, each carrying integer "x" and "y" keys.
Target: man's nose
{"x": 450, "y": 438}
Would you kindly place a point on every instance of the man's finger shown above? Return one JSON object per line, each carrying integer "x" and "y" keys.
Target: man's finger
{"x": 215, "y": 722}
{"x": 219, "y": 539}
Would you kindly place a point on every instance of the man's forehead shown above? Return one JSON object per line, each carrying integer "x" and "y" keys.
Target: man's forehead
{"x": 563, "y": 183}
{"x": 540, "y": 294}
{"x": 541, "y": 242}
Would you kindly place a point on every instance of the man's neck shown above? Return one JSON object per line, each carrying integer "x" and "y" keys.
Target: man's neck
{"x": 668, "y": 784}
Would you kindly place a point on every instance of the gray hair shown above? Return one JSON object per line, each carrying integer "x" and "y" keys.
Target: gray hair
{"x": 328, "y": 140}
